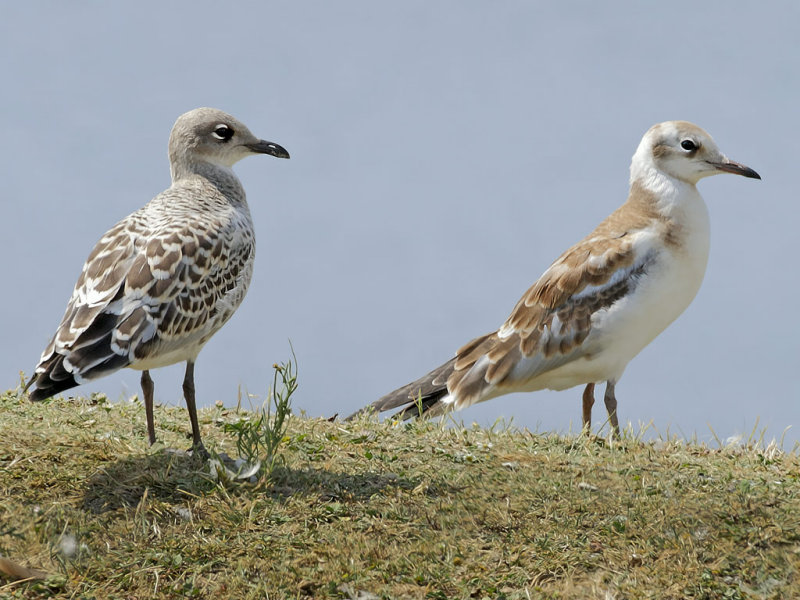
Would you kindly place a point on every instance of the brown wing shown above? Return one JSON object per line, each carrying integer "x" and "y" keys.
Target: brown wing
{"x": 553, "y": 318}
{"x": 549, "y": 324}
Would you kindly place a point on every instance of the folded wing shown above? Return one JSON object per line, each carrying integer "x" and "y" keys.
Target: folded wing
{"x": 147, "y": 289}
{"x": 550, "y": 326}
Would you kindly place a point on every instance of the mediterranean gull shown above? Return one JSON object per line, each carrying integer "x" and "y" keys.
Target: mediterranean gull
{"x": 166, "y": 278}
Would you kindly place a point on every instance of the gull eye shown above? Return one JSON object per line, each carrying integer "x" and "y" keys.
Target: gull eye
{"x": 222, "y": 132}
{"x": 688, "y": 145}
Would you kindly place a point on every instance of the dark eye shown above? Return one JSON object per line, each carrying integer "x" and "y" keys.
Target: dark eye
{"x": 222, "y": 132}
{"x": 688, "y": 145}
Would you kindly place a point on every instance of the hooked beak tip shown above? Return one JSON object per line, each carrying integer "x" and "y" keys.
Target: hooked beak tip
{"x": 265, "y": 147}
{"x": 729, "y": 166}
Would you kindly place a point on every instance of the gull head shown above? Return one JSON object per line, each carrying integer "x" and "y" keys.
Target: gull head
{"x": 684, "y": 151}
{"x": 209, "y": 135}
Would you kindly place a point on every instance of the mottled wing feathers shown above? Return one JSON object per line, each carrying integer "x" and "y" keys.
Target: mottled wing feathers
{"x": 554, "y": 315}
{"x": 79, "y": 350}
{"x": 189, "y": 283}
{"x": 153, "y": 284}
{"x": 550, "y": 323}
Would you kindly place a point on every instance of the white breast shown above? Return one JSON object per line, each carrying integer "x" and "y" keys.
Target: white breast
{"x": 668, "y": 287}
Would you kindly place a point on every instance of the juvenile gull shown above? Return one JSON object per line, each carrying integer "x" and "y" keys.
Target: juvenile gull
{"x": 601, "y": 301}
{"x": 166, "y": 278}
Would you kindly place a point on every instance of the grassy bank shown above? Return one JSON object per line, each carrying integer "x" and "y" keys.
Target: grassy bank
{"x": 367, "y": 510}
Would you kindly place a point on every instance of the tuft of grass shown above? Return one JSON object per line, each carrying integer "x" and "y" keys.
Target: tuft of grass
{"x": 259, "y": 435}
{"x": 389, "y": 510}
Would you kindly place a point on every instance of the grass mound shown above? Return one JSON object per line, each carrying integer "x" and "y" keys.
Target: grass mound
{"x": 371, "y": 510}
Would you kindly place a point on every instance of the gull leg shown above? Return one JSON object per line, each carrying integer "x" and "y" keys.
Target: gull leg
{"x": 588, "y": 402}
{"x": 611, "y": 406}
{"x": 147, "y": 392}
{"x": 188, "y": 394}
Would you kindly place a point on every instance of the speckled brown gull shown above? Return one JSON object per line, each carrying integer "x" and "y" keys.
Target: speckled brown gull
{"x": 166, "y": 278}
{"x": 604, "y": 299}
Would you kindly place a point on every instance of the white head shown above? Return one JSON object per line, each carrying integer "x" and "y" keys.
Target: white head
{"x": 683, "y": 151}
{"x": 209, "y": 135}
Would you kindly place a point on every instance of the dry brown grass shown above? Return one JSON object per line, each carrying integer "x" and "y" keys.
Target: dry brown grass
{"x": 370, "y": 510}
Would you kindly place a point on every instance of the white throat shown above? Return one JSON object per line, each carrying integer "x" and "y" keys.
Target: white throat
{"x": 672, "y": 196}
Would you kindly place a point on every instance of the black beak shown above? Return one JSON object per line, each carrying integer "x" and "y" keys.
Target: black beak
{"x": 265, "y": 147}
{"x": 736, "y": 168}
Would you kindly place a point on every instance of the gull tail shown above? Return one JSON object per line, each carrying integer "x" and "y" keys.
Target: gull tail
{"x": 52, "y": 376}
{"x": 473, "y": 375}
{"x": 421, "y": 398}
{"x": 90, "y": 357}
{"x": 50, "y": 379}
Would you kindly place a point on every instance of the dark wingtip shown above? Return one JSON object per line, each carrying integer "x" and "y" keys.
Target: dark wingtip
{"x": 51, "y": 381}
{"x": 47, "y": 388}
{"x": 369, "y": 409}
{"x": 38, "y": 395}
{"x": 410, "y": 408}
{"x": 421, "y": 398}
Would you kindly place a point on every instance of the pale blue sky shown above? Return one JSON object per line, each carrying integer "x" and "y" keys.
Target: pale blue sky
{"x": 443, "y": 154}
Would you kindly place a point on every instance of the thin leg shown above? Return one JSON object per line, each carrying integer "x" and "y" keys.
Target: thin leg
{"x": 611, "y": 406}
{"x": 588, "y": 402}
{"x": 147, "y": 392}
{"x": 188, "y": 394}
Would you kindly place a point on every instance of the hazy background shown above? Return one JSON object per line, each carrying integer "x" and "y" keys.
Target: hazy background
{"x": 443, "y": 155}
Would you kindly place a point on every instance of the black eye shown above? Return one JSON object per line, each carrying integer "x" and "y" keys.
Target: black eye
{"x": 222, "y": 132}
{"x": 688, "y": 145}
